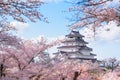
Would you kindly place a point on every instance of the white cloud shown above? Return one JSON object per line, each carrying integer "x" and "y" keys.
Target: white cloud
{"x": 88, "y": 33}
{"x": 39, "y": 38}
{"x": 19, "y": 25}
{"x": 113, "y": 3}
{"x": 57, "y": 38}
{"x": 48, "y": 39}
{"x": 109, "y": 32}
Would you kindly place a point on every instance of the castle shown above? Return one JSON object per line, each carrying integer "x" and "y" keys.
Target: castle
{"x": 74, "y": 47}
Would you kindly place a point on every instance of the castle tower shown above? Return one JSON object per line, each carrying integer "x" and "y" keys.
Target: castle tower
{"x": 74, "y": 47}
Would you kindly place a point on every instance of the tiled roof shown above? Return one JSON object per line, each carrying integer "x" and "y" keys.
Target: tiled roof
{"x": 75, "y": 46}
{"x": 74, "y": 52}
{"x": 78, "y": 41}
{"x": 74, "y": 34}
{"x": 83, "y": 58}
{"x": 92, "y": 54}
{"x": 85, "y": 48}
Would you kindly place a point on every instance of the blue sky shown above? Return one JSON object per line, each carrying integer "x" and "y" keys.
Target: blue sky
{"x": 54, "y": 11}
{"x": 106, "y": 46}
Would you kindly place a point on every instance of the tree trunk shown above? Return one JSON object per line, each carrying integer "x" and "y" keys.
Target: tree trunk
{"x": 63, "y": 78}
{"x": 76, "y": 76}
{"x": 1, "y": 70}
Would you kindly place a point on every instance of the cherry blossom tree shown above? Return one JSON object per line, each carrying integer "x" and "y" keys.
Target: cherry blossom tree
{"x": 72, "y": 70}
{"x": 21, "y": 10}
{"x": 18, "y": 57}
{"x": 95, "y": 13}
{"x": 111, "y": 76}
{"x": 111, "y": 63}
{"x": 25, "y": 62}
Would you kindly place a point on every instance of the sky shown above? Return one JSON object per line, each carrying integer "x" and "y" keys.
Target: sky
{"x": 105, "y": 45}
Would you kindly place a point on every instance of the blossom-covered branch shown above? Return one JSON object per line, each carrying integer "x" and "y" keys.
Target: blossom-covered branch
{"x": 21, "y": 10}
{"x": 95, "y": 13}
